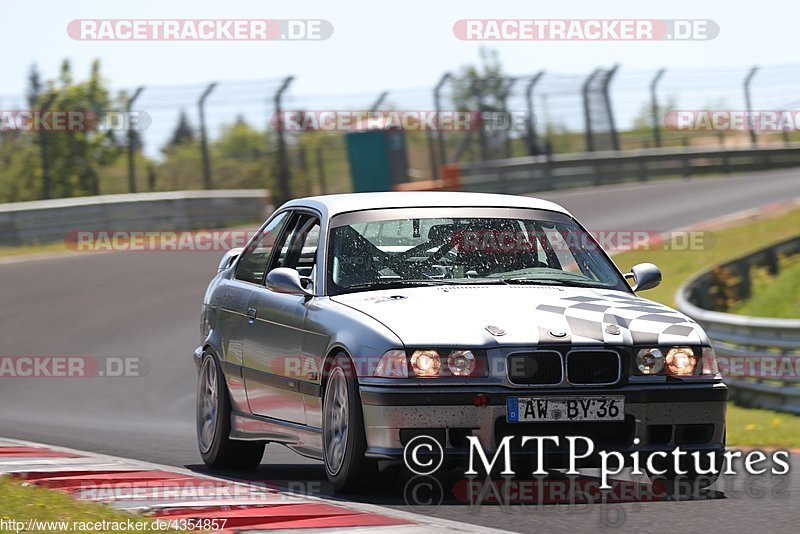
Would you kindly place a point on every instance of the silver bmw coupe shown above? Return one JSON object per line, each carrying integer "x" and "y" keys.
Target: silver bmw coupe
{"x": 351, "y": 324}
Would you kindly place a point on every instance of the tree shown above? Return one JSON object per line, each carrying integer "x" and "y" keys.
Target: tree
{"x": 182, "y": 135}
{"x": 75, "y": 158}
{"x": 484, "y": 89}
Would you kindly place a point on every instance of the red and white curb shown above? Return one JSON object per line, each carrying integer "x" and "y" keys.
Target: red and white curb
{"x": 172, "y": 493}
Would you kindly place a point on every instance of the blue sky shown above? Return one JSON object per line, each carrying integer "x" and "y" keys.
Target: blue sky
{"x": 381, "y": 45}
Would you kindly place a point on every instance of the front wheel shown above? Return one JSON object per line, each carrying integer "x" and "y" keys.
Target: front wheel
{"x": 214, "y": 423}
{"x": 344, "y": 440}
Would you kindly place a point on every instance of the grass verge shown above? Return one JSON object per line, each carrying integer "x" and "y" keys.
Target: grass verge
{"x": 746, "y": 427}
{"x": 775, "y": 297}
{"x": 53, "y": 511}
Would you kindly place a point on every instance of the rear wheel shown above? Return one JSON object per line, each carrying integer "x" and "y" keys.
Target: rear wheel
{"x": 344, "y": 440}
{"x": 214, "y": 423}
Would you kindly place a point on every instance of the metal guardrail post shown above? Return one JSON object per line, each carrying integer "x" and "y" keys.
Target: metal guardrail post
{"x": 207, "y": 183}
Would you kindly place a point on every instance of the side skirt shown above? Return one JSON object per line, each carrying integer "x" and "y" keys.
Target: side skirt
{"x": 304, "y": 440}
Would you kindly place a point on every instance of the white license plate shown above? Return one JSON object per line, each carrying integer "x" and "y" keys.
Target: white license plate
{"x": 554, "y": 409}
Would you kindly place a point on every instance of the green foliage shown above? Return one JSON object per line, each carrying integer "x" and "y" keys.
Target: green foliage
{"x": 775, "y": 297}
{"x": 76, "y": 158}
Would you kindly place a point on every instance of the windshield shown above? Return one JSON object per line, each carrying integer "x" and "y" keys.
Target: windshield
{"x": 529, "y": 247}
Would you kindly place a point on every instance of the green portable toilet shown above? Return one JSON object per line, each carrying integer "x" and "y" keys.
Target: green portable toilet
{"x": 378, "y": 159}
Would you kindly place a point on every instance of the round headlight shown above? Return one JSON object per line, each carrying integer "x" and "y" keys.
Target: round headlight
{"x": 426, "y": 362}
{"x": 681, "y": 361}
{"x": 650, "y": 361}
{"x": 461, "y": 363}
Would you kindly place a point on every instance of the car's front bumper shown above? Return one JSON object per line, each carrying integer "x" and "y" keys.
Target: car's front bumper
{"x": 657, "y": 417}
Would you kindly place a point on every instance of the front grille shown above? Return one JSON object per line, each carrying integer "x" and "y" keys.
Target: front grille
{"x": 540, "y": 368}
{"x": 593, "y": 367}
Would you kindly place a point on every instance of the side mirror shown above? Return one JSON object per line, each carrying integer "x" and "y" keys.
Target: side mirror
{"x": 645, "y": 276}
{"x": 286, "y": 280}
{"x": 228, "y": 258}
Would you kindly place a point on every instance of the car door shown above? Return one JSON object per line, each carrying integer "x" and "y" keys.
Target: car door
{"x": 231, "y": 299}
{"x": 274, "y": 364}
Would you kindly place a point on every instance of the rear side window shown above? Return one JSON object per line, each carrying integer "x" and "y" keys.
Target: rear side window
{"x": 252, "y": 265}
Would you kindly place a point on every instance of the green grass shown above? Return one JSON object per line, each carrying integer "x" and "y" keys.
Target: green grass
{"x": 746, "y": 427}
{"x": 22, "y": 503}
{"x": 775, "y": 297}
{"x": 720, "y": 245}
{"x": 762, "y": 428}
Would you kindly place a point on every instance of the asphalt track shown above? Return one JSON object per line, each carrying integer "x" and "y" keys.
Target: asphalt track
{"x": 147, "y": 305}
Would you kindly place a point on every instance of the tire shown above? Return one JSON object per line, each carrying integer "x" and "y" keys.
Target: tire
{"x": 344, "y": 441}
{"x": 214, "y": 423}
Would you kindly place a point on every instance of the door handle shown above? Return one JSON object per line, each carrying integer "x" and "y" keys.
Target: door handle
{"x": 251, "y": 315}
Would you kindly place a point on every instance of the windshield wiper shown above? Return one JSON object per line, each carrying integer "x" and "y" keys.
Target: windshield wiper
{"x": 549, "y": 282}
{"x": 394, "y": 284}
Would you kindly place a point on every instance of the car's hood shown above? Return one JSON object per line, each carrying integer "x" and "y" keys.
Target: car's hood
{"x": 466, "y": 315}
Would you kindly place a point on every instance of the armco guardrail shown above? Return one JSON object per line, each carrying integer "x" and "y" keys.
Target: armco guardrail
{"x": 44, "y": 221}
{"x": 766, "y": 347}
{"x": 540, "y": 173}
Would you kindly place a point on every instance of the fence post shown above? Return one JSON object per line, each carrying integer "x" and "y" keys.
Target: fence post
{"x": 437, "y": 104}
{"x": 587, "y": 115}
{"x": 46, "y": 179}
{"x": 533, "y": 144}
{"x": 654, "y": 107}
{"x": 478, "y": 87}
{"x": 284, "y": 189}
{"x": 323, "y": 186}
{"x": 207, "y": 183}
{"x": 504, "y": 102}
{"x": 132, "y": 143}
{"x": 749, "y": 105}
{"x": 607, "y": 100}
{"x": 379, "y": 101}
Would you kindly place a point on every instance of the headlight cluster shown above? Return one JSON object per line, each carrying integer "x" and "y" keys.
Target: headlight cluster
{"x": 676, "y": 361}
{"x": 429, "y": 363}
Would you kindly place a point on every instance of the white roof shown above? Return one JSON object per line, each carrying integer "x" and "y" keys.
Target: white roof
{"x": 330, "y": 205}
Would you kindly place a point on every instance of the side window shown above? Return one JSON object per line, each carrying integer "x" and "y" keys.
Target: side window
{"x": 252, "y": 265}
{"x": 299, "y": 248}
